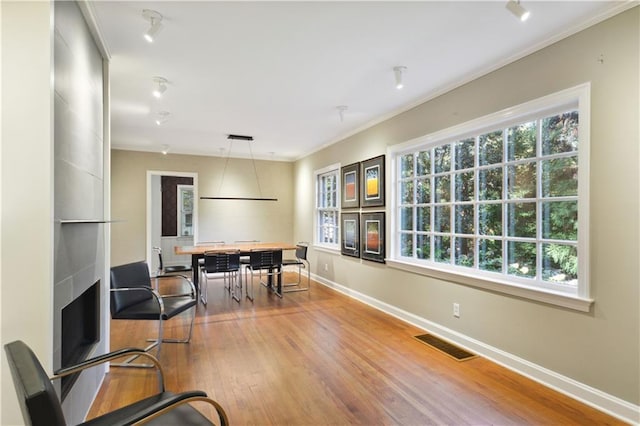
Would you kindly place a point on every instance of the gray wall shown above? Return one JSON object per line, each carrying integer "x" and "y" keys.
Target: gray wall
{"x": 79, "y": 248}
{"x": 599, "y": 349}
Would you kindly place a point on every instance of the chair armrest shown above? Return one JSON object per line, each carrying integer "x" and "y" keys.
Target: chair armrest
{"x": 101, "y": 359}
{"x": 184, "y": 278}
{"x": 172, "y": 402}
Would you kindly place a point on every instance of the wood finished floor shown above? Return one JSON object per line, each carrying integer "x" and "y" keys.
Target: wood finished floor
{"x": 321, "y": 358}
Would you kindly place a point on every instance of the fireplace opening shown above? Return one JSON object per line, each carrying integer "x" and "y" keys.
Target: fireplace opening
{"x": 80, "y": 332}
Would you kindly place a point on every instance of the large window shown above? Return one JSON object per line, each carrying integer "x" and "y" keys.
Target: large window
{"x": 500, "y": 201}
{"x": 327, "y": 207}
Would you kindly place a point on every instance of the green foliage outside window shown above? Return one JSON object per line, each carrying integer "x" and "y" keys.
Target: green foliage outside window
{"x": 504, "y": 201}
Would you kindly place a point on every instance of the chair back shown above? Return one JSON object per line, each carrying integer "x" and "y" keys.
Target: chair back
{"x": 221, "y": 262}
{"x": 134, "y": 274}
{"x": 261, "y": 259}
{"x": 301, "y": 252}
{"x": 38, "y": 399}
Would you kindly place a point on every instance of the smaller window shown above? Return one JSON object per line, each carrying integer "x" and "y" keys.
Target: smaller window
{"x": 327, "y": 207}
{"x": 185, "y": 210}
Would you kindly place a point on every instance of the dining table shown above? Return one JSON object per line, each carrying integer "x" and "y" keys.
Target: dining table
{"x": 197, "y": 251}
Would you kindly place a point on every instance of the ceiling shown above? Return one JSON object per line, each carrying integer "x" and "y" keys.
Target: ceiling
{"x": 277, "y": 71}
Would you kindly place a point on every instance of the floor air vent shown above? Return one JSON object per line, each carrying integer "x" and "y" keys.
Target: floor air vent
{"x": 445, "y": 347}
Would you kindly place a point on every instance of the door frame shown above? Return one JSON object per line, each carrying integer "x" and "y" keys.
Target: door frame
{"x": 150, "y": 174}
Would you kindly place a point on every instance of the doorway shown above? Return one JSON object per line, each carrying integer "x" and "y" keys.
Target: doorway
{"x": 172, "y": 215}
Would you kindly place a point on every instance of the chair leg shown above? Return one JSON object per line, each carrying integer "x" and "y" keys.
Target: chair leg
{"x": 247, "y": 283}
{"x": 299, "y": 283}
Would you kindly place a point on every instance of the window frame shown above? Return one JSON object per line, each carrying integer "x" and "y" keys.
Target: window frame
{"x": 333, "y": 169}
{"x": 181, "y": 214}
{"x": 577, "y": 98}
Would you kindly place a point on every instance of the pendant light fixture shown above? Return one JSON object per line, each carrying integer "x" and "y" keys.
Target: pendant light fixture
{"x": 248, "y": 139}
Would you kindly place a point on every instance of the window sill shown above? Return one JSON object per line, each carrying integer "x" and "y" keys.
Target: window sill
{"x": 326, "y": 249}
{"x": 551, "y": 298}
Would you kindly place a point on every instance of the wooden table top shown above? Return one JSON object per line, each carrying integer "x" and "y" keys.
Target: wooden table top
{"x": 242, "y": 247}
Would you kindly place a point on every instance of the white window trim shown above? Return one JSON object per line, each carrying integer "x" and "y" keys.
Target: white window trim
{"x": 332, "y": 248}
{"x": 580, "y": 95}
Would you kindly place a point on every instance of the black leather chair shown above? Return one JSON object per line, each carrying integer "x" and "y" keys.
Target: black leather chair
{"x": 40, "y": 405}
{"x": 228, "y": 264}
{"x": 266, "y": 263}
{"x": 301, "y": 262}
{"x": 132, "y": 298}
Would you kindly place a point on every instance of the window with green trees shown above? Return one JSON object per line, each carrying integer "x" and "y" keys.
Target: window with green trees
{"x": 502, "y": 201}
{"x": 327, "y": 207}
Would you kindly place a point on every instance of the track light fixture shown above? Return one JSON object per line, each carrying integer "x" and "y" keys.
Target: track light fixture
{"x": 399, "y": 70}
{"x": 155, "y": 20}
{"x": 518, "y": 10}
{"x": 161, "y": 86}
{"x": 162, "y": 117}
{"x": 341, "y": 109}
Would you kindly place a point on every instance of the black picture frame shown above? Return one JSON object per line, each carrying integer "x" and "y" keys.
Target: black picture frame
{"x": 350, "y": 229}
{"x": 372, "y": 238}
{"x": 372, "y": 182}
{"x": 350, "y": 191}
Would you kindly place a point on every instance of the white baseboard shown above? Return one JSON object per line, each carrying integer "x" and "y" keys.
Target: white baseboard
{"x": 593, "y": 397}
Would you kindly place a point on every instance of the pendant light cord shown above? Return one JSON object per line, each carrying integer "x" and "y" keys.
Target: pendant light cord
{"x": 226, "y": 163}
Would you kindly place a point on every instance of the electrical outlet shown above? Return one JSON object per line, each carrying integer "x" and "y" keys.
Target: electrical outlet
{"x": 456, "y": 310}
{"x": 326, "y": 267}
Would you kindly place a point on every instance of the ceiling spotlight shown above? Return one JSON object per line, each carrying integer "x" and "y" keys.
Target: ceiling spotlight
{"x": 155, "y": 20}
{"x": 399, "y": 70}
{"x": 161, "y": 86}
{"x": 165, "y": 149}
{"x": 162, "y": 117}
{"x": 516, "y": 8}
{"x": 341, "y": 109}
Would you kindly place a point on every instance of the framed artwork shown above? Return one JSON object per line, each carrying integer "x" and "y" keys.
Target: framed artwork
{"x": 373, "y": 247}
{"x": 350, "y": 234}
{"x": 372, "y": 185}
{"x": 350, "y": 183}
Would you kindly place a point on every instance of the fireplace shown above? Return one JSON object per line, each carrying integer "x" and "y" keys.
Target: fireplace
{"x": 80, "y": 332}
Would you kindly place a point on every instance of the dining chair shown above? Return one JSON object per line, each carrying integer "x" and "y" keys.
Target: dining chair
{"x": 228, "y": 264}
{"x": 266, "y": 263}
{"x": 40, "y": 405}
{"x": 300, "y": 262}
{"x": 168, "y": 270}
{"x": 133, "y": 298}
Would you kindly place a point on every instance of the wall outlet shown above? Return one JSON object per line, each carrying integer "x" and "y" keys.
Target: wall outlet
{"x": 326, "y": 267}
{"x": 456, "y": 310}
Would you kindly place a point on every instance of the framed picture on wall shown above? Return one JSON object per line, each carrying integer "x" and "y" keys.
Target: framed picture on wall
{"x": 372, "y": 182}
{"x": 350, "y": 234}
{"x": 350, "y": 186}
{"x": 372, "y": 238}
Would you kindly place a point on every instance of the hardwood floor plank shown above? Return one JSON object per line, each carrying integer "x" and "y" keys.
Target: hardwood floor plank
{"x": 321, "y": 358}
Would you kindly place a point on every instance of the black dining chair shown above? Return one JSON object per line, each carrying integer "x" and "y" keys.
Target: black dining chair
{"x": 227, "y": 264}
{"x": 133, "y": 298}
{"x": 40, "y": 405}
{"x": 300, "y": 262}
{"x": 170, "y": 270}
{"x": 268, "y": 264}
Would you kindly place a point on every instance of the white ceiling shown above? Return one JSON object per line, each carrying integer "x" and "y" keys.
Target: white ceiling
{"x": 278, "y": 70}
